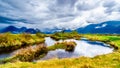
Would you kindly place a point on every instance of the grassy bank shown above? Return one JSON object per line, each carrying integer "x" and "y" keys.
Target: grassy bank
{"x": 113, "y": 40}
{"x": 27, "y": 54}
{"x": 105, "y": 61}
{"x": 65, "y": 35}
{"x": 10, "y": 42}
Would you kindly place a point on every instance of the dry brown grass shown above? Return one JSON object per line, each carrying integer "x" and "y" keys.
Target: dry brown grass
{"x": 31, "y": 52}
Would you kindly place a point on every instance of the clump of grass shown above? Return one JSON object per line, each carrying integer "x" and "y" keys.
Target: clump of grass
{"x": 66, "y": 35}
{"x": 68, "y": 46}
{"x": 41, "y": 35}
{"x": 31, "y": 52}
{"x": 27, "y": 54}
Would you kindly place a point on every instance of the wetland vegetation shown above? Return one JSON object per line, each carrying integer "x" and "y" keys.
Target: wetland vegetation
{"x": 30, "y": 47}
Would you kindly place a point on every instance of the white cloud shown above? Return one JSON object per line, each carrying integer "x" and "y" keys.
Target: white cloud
{"x": 69, "y": 14}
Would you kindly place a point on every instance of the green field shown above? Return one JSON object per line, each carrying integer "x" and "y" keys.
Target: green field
{"x": 111, "y": 60}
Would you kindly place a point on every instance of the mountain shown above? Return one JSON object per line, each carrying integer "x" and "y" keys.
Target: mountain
{"x": 16, "y": 30}
{"x": 109, "y": 27}
{"x": 9, "y": 29}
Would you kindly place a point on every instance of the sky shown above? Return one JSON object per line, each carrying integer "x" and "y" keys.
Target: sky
{"x": 62, "y": 14}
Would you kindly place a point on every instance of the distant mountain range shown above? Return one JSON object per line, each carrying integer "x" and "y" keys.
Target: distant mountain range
{"x": 109, "y": 27}
{"x": 16, "y": 30}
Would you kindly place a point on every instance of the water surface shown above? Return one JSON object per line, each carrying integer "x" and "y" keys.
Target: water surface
{"x": 84, "y": 48}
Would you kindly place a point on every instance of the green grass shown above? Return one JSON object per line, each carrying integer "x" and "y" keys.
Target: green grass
{"x": 111, "y": 60}
{"x": 65, "y": 35}
{"x": 113, "y": 40}
{"x": 10, "y": 42}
